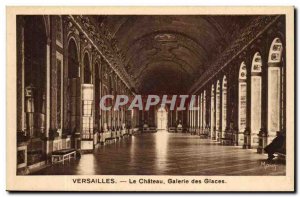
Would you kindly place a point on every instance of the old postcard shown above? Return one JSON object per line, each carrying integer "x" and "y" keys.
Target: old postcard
{"x": 150, "y": 99}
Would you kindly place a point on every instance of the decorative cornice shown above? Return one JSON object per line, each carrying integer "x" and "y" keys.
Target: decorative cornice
{"x": 103, "y": 42}
{"x": 257, "y": 26}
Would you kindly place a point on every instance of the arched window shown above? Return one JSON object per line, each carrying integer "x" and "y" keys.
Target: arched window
{"x": 204, "y": 109}
{"x": 97, "y": 94}
{"x": 192, "y": 113}
{"x": 87, "y": 92}
{"x": 59, "y": 88}
{"x": 73, "y": 63}
{"x": 275, "y": 53}
{"x": 242, "y": 109}
{"x": 162, "y": 118}
{"x": 110, "y": 102}
{"x": 106, "y": 112}
{"x": 190, "y": 117}
{"x": 201, "y": 112}
{"x": 256, "y": 86}
{"x": 218, "y": 110}
{"x": 224, "y": 105}
{"x": 59, "y": 30}
{"x": 198, "y": 112}
{"x": 73, "y": 93}
{"x": 212, "y": 113}
{"x": 274, "y": 87}
{"x": 87, "y": 79}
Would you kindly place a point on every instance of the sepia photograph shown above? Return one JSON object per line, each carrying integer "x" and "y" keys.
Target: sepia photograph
{"x": 150, "y": 99}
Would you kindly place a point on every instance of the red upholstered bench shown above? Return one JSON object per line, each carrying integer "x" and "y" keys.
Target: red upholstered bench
{"x": 62, "y": 155}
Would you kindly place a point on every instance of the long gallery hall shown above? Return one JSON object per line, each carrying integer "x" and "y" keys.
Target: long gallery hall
{"x": 233, "y": 66}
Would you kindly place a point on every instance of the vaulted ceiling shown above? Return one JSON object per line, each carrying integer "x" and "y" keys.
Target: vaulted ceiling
{"x": 166, "y": 54}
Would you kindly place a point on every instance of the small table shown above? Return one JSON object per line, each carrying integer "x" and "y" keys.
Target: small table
{"x": 62, "y": 155}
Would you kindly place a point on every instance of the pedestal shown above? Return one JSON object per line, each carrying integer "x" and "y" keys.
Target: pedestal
{"x": 77, "y": 139}
{"x": 22, "y": 158}
{"x": 254, "y": 141}
{"x": 96, "y": 138}
{"x": 247, "y": 139}
{"x": 262, "y": 141}
{"x": 218, "y": 135}
{"x": 213, "y": 134}
{"x": 87, "y": 145}
{"x": 240, "y": 139}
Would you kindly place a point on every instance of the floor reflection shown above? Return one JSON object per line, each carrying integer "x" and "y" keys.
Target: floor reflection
{"x": 164, "y": 153}
{"x": 161, "y": 150}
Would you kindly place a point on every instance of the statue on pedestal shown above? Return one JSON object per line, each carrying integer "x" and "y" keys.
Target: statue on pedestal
{"x": 105, "y": 127}
{"x": 179, "y": 124}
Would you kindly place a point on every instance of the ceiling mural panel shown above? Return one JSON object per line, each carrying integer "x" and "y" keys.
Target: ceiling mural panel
{"x": 185, "y": 46}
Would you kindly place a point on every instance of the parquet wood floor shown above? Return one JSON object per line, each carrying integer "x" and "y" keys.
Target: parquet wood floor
{"x": 165, "y": 153}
